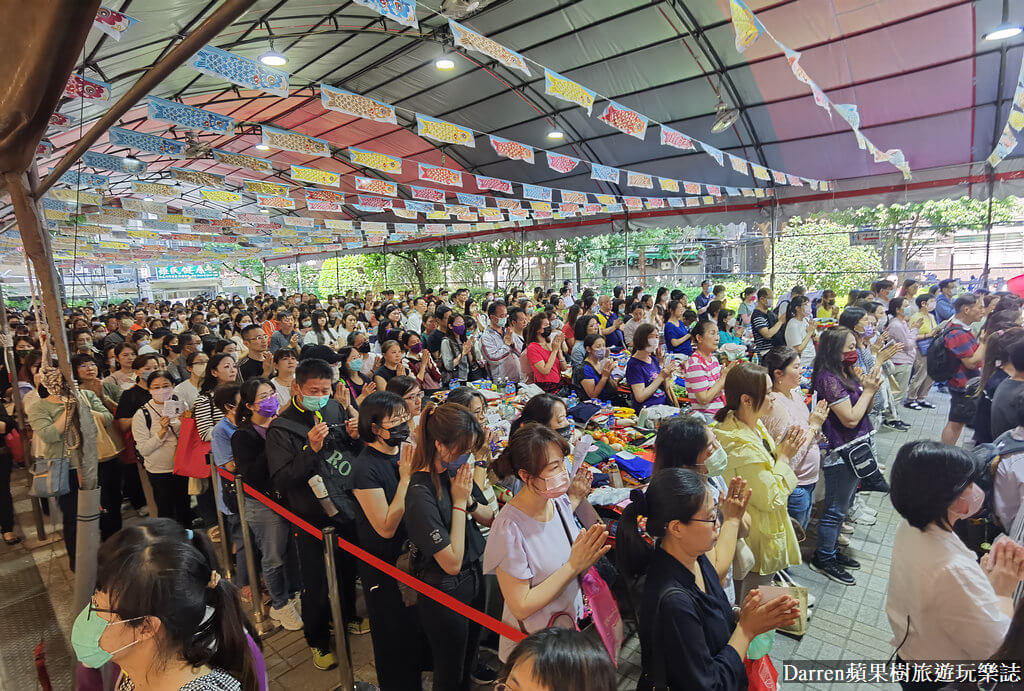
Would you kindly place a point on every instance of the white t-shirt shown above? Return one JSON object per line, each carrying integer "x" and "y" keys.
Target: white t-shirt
{"x": 796, "y": 332}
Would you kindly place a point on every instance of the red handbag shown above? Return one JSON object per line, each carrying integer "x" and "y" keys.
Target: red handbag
{"x": 13, "y": 441}
{"x": 761, "y": 674}
{"x": 190, "y": 454}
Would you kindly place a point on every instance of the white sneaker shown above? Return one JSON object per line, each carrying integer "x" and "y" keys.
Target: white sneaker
{"x": 287, "y": 617}
{"x": 859, "y": 516}
{"x": 847, "y": 529}
{"x": 843, "y": 541}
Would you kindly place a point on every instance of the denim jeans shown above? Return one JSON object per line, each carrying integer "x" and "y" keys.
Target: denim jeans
{"x": 272, "y": 534}
{"x": 840, "y": 485}
{"x": 800, "y": 503}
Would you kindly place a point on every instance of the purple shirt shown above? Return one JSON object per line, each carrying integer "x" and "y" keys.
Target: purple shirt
{"x": 639, "y": 372}
{"x": 831, "y": 389}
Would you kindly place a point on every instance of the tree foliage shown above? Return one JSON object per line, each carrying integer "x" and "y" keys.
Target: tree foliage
{"x": 825, "y": 261}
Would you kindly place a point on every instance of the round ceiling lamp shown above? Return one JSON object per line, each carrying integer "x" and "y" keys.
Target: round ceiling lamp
{"x": 262, "y": 147}
{"x": 445, "y": 63}
{"x": 726, "y": 117}
{"x": 555, "y": 133}
{"x": 1003, "y": 32}
{"x": 264, "y": 211}
{"x": 272, "y": 58}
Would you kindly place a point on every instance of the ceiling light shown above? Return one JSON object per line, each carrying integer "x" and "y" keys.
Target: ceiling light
{"x": 444, "y": 63}
{"x": 264, "y": 211}
{"x": 147, "y": 199}
{"x": 726, "y": 117}
{"x": 1003, "y": 31}
{"x": 262, "y": 147}
{"x": 556, "y": 133}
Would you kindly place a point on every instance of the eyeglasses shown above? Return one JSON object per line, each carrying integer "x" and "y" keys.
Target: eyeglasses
{"x": 717, "y": 520}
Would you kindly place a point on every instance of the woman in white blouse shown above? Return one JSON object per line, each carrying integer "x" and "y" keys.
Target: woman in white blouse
{"x": 800, "y": 332}
{"x": 942, "y": 604}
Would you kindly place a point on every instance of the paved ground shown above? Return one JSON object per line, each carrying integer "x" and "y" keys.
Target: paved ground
{"x": 848, "y": 623}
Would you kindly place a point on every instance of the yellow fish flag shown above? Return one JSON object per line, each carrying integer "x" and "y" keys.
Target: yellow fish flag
{"x": 748, "y": 27}
{"x": 558, "y": 86}
{"x": 442, "y": 131}
{"x": 213, "y": 195}
{"x": 375, "y": 160}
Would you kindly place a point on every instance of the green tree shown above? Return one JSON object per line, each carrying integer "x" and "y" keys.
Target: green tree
{"x": 817, "y": 254}
{"x": 341, "y": 273}
{"x": 906, "y": 229}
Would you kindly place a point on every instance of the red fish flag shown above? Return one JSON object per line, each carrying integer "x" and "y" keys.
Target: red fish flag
{"x": 625, "y": 120}
{"x": 511, "y": 149}
{"x": 561, "y": 162}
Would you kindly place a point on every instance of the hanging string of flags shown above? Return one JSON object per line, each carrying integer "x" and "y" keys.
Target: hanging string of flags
{"x": 1014, "y": 123}
{"x": 749, "y": 28}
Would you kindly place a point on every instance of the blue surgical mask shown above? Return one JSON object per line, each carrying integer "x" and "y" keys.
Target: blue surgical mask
{"x": 502, "y": 321}
{"x": 355, "y": 365}
{"x": 453, "y": 466}
{"x": 716, "y": 462}
{"x": 86, "y": 634}
{"x": 314, "y": 403}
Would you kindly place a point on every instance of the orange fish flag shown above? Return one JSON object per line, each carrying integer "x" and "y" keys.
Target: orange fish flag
{"x": 625, "y": 120}
{"x": 511, "y": 149}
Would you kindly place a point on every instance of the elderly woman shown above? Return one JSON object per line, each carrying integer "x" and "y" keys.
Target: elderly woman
{"x": 942, "y": 604}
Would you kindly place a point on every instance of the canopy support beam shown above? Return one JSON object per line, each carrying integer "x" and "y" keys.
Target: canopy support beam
{"x": 222, "y": 18}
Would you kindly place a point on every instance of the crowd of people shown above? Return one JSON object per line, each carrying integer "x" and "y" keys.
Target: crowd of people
{"x": 358, "y": 411}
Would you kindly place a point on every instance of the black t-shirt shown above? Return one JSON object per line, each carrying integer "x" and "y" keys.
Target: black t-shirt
{"x": 766, "y": 320}
{"x": 131, "y": 400}
{"x": 428, "y": 519}
{"x": 434, "y": 341}
{"x": 250, "y": 369}
{"x": 385, "y": 373}
{"x": 376, "y": 470}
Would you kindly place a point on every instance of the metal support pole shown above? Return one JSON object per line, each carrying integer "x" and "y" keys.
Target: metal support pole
{"x": 771, "y": 281}
{"x": 337, "y": 275}
{"x": 385, "y": 252}
{"x": 225, "y": 554}
{"x": 138, "y": 287}
{"x": 262, "y": 625}
{"x": 625, "y": 253}
{"x": 19, "y": 413}
{"x": 988, "y": 227}
{"x": 345, "y": 677}
{"x": 298, "y": 272}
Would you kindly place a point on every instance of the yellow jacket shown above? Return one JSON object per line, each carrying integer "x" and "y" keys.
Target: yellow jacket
{"x": 772, "y": 538}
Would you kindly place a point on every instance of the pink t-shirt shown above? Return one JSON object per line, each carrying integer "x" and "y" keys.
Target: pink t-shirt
{"x": 535, "y": 353}
{"x": 784, "y": 412}
{"x": 701, "y": 375}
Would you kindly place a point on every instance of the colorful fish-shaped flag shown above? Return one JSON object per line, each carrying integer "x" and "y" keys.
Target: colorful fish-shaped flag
{"x": 399, "y": 11}
{"x": 376, "y": 186}
{"x": 467, "y": 38}
{"x": 558, "y": 86}
{"x": 113, "y": 23}
{"x": 495, "y": 184}
{"x": 444, "y": 176}
{"x": 604, "y": 173}
{"x": 442, "y": 131}
{"x": 676, "y": 139}
{"x": 375, "y": 160}
{"x": 639, "y": 180}
{"x": 625, "y": 120}
{"x": 427, "y": 193}
{"x": 511, "y": 149}
{"x": 748, "y": 27}
{"x": 353, "y": 104}
{"x": 668, "y": 184}
{"x": 87, "y": 89}
{"x": 561, "y": 162}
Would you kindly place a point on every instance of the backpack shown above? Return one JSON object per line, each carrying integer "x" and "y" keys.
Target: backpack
{"x": 942, "y": 362}
{"x": 979, "y": 530}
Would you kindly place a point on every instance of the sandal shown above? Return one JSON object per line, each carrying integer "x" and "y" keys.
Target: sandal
{"x": 13, "y": 540}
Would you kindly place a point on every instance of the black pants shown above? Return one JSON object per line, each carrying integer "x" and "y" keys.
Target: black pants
{"x": 316, "y": 606}
{"x": 919, "y": 685}
{"x": 454, "y": 639}
{"x": 132, "y": 484}
{"x": 109, "y": 478}
{"x": 6, "y": 502}
{"x": 399, "y": 645}
{"x": 206, "y": 505}
{"x": 170, "y": 492}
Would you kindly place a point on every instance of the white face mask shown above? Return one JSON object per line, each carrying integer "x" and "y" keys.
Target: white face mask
{"x": 161, "y": 395}
{"x": 730, "y": 323}
{"x": 652, "y": 344}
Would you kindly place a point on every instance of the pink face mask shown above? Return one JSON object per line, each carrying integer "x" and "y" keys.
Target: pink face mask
{"x": 975, "y": 497}
{"x": 553, "y": 487}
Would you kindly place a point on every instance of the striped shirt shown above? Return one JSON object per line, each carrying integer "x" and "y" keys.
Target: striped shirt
{"x": 701, "y": 375}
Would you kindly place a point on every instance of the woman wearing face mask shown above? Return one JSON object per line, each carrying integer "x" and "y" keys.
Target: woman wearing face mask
{"x": 221, "y": 369}
{"x": 586, "y": 325}
{"x": 649, "y": 383}
{"x": 456, "y": 350}
{"x": 544, "y": 353}
{"x": 872, "y": 350}
{"x": 393, "y": 364}
{"x": 800, "y": 333}
{"x": 596, "y": 374}
{"x": 729, "y": 331}
{"x": 748, "y": 302}
{"x": 156, "y": 439}
{"x": 685, "y": 441}
{"x": 380, "y": 480}
{"x": 536, "y": 548}
{"x": 48, "y": 418}
{"x": 257, "y": 407}
{"x": 164, "y": 615}
{"x": 786, "y": 408}
{"x": 438, "y": 505}
{"x": 848, "y": 392}
{"x": 122, "y": 377}
{"x": 677, "y": 336}
{"x": 421, "y": 363}
{"x": 351, "y": 370}
{"x": 942, "y": 604}
{"x": 827, "y": 308}
{"x": 409, "y": 389}
{"x": 754, "y": 456}
{"x": 924, "y": 323}
{"x": 321, "y": 332}
{"x": 188, "y": 390}
{"x": 690, "y": 637}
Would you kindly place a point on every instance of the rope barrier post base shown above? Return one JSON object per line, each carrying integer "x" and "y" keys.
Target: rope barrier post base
{"x": 263, "y": 625}
{"x": 334, "y": 596}
{"x": 225, "y": 554}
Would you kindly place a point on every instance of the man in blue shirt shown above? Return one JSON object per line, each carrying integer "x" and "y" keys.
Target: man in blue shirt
{"x": 944, "y": 300}
{"x": 702, "y": 301}
{"x": 611, "y": 325}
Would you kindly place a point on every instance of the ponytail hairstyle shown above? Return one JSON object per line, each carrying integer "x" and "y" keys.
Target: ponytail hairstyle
{"x": 679, "y": 442}
{"x": 744, "y": 379}
{"x": 155, "y": 568}
{"x": 527, "y": 451}
{"x": 998, "y": 350}
{"x": 451, "y": 425}
{"x": 675, "y": 494}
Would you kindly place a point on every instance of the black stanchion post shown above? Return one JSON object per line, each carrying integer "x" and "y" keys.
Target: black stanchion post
{"x": 262, "y": 625}
{"x": 225, "y": 554}
{"x": 345, "y": 676}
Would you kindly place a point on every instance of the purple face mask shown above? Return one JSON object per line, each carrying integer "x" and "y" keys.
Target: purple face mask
{"x": 415, "y": 348}
{"x": 459, "y": 330}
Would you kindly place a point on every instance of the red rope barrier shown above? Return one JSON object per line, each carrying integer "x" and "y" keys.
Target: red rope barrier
{"x": 488, "y": 622}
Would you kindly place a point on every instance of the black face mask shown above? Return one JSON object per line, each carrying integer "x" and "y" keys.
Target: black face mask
{"x": 365, "y": 348}
{"x": 547, "y": 332}
{"x": 399, "y": 434}
{"x": 566, "y": 432}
